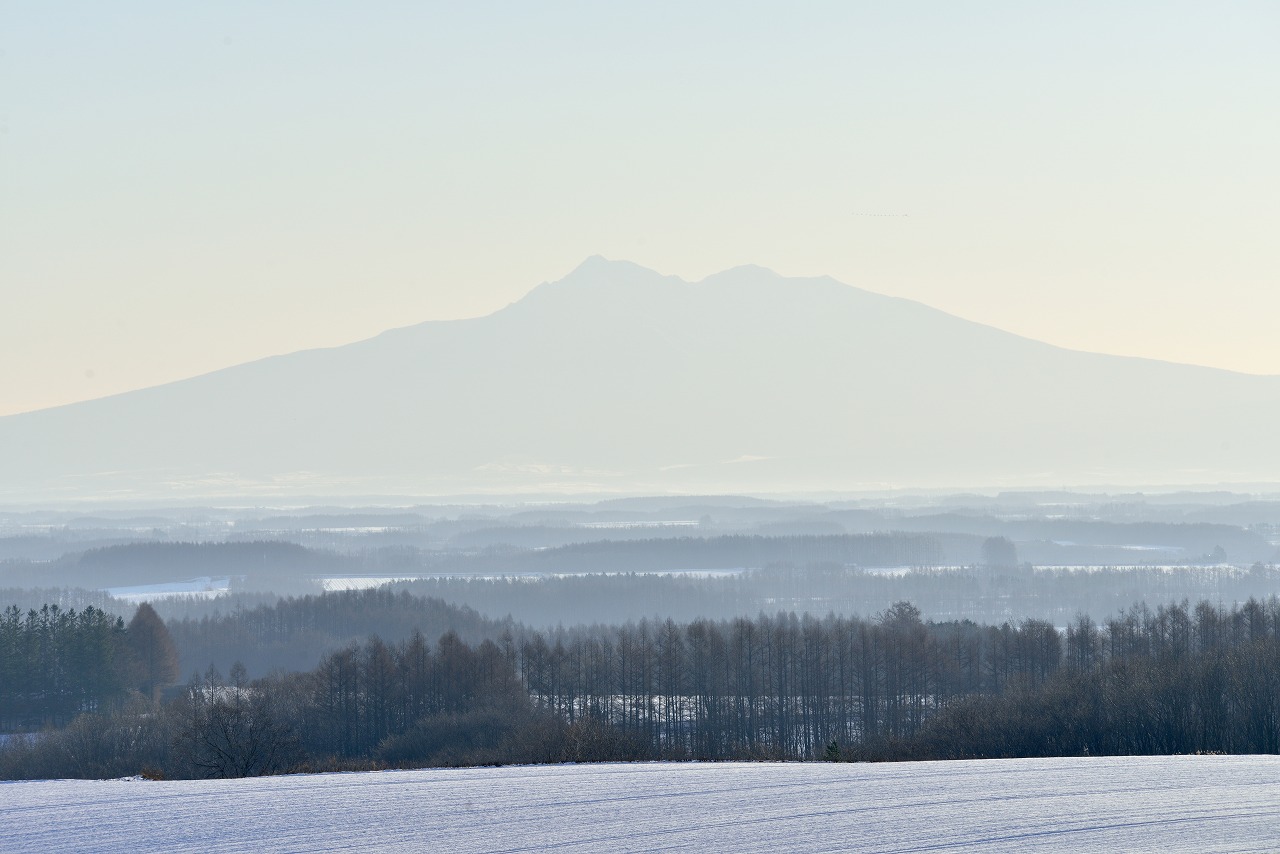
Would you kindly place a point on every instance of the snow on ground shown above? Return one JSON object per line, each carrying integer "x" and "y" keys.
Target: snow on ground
{"x": 359, "y": 582}
{"x": 1158, "y": 804}
{"x": 204, "y": 587}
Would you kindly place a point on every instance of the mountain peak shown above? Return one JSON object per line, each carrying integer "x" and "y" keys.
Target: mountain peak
{"x": 596, "y": 278}
{"x": 598, "y": 267}
{"x": 750, "y": 272}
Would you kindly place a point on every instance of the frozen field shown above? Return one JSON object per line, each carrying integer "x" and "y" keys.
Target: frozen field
{"x": 204, "y": 588}
{"x": 1165, "y": 804}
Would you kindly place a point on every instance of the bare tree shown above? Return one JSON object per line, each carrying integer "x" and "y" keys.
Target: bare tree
{"x": 237, "y": 729}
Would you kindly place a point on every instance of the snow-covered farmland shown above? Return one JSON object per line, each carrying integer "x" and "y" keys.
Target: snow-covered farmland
{"x": 1165, "y": 804}
{"x": 204, "y": 588}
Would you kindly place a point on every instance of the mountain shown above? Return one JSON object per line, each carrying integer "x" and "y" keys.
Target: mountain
{"x": 619, "y": 378}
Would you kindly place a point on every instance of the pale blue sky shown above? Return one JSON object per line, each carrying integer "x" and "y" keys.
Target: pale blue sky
{"x": 186, "y": 186}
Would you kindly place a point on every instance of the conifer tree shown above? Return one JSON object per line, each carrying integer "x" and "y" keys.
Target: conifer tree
{"x": 154, "y": 657}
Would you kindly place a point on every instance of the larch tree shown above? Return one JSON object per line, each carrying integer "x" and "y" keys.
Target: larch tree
{"x": 155, "y": 658}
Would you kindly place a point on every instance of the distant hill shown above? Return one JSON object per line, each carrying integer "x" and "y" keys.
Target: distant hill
{"x": 618, "y": 378}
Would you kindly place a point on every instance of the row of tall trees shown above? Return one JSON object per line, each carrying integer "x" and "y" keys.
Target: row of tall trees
{"x": 778, "y": 686}
{"x": 1173, "y": 679}
{"x": 363, "y": 694}
{"x": 375, "y": 704}
{"x": 369, "y": 705}
{"x": 56, "y": 664}
{"x": 294, "y": 632}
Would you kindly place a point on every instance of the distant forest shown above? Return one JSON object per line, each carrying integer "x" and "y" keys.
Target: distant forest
{"x": 273, "y": 563}
{"x": 998, "y": 588}
{"x": 981, "y": 593}
{"x": 265, "y": 632}
{"x": 414, "y": 681}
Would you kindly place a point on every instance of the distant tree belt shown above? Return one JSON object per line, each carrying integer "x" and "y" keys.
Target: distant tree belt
{"x": 156, "y": 562}
{"x": 984, "y": 594}
{"x": 948, "y": 543}
{"x": 56, "y": 664}
{"x": 295, "y": 632}
{"x": 880, "y": 549}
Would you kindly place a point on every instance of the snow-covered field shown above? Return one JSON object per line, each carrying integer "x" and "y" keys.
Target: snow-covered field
{"x": 1164, "y": 804}
{"x": 204, "y": 587}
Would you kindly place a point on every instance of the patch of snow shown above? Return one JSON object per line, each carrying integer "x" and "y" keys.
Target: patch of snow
{"x": 647, "y": 523}
{"x": 360, "y": 582}
{"x": 205, "y": 586}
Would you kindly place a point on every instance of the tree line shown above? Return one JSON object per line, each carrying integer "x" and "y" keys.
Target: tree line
{"x": 292, "y": 633}
{"x": 367, "y": 706}
{"x": 781, "y": 686}
{"x": 988, "y": 594}
{"x": 56, "y": 664}
{"x": 1174, "y": 679}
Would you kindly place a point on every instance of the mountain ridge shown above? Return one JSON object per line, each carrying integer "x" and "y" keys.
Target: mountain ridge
{"x": 616, "y": 377}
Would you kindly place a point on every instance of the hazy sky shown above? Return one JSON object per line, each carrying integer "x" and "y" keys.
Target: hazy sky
{"x": 185, "y": 186}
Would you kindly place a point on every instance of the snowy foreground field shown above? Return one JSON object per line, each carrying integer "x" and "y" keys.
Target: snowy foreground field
{"x": 1194, "y": 804}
